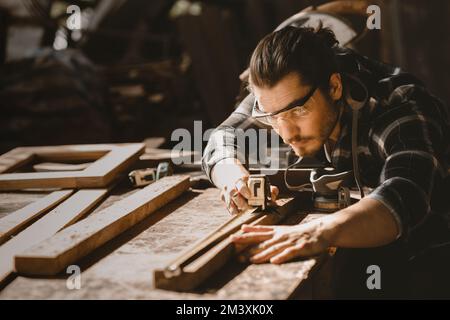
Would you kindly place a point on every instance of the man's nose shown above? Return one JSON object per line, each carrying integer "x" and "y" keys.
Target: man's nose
{"x": 287, "y": 129}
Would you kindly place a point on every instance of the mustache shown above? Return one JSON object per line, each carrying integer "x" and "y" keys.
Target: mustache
{"x": 296, "y": 138}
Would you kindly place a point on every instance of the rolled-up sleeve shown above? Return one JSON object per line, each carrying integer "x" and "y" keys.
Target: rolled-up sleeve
{"x": 409, "y": 147}
{"x": 222, "y": 143}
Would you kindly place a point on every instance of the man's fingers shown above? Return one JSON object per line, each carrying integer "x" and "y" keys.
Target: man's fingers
{"x": 242, "y": 188}
{"x": 270, "y": 252}
{"x": 250, "y": 228}
{"x": 262, "y": 246}
{"x": 271, "y": 242}
{"x": 251, "y": 237}
{"x": 232, "y": 208}
{"x": 240, "y": 201}
{"x": 287, "y": 254}
{"x": 274, "y": 192}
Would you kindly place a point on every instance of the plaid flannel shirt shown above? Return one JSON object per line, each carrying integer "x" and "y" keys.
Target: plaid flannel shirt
{"x": 403, "y": 141}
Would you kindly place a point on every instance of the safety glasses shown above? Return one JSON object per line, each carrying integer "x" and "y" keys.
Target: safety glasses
{"x": 295, "y": 109}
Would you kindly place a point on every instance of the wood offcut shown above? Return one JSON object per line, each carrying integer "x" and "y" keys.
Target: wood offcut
{"x": 109, "y": 161}
{"x": 200, "y": 262}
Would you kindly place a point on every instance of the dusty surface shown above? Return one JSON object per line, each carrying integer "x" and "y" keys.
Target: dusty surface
{"x": 12, "y": 201}
{"x": 122, "y": 268}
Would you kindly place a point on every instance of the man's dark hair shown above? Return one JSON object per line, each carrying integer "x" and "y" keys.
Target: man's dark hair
{"x": 303, "y": 50}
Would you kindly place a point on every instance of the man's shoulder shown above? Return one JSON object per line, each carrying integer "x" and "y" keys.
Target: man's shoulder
{"x": 407, "y": 100}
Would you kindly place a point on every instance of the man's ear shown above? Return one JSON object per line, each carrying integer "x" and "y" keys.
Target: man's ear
{"x": 335, "y": 86}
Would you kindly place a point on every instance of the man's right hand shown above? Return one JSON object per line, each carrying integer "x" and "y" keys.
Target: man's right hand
{"x": 231, "y": 177}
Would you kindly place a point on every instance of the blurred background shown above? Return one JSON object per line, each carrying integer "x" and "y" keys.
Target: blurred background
{"x": 139, "y": 68}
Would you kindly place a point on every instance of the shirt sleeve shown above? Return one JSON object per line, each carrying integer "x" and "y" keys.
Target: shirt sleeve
{"x": 222, "y": 143}
{"x": 409, "y": 140}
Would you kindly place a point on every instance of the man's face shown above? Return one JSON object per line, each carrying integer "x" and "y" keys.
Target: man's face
{"x": 305, "y": 133}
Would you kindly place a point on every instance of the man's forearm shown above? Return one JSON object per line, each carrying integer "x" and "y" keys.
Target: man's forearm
{"x": 367, "y": 223}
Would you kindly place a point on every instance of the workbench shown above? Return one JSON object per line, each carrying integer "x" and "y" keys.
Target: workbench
{"x": 123, "y": 267}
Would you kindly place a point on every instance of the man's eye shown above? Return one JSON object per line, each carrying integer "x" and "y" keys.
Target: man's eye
{"x": 298, "y": 111}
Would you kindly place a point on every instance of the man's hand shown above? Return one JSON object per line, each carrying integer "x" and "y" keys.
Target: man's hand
{"x": 231, "y": 177}
{"x": 365, "y": 224}
{"x": 279, "y": 244}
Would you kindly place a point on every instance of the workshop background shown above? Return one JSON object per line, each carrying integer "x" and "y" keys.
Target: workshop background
{"x": 140, "y": 69}
{"x": 102, "y": 192}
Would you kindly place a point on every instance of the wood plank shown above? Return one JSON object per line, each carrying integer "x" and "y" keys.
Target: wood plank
{"x": 189, "y": 271}
{"x": 62, "y": 216}
{"x": 20, "y": 219}
{"x": 18, "y": 181}
{"x": 53, "y": 255}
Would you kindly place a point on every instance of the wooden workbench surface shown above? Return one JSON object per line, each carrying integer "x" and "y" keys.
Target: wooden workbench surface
{"x": 123, "y": 268}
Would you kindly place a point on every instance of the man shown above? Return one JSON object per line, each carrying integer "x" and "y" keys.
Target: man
{"x": 300, "y": 83}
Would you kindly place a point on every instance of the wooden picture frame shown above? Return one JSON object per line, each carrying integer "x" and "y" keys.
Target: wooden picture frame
{"x": 108, "y": 161}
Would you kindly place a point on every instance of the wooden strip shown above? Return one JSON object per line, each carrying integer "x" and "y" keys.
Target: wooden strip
{"x": 212, "y": 239}
{"x": 118, "y": 158}
{"x": 62, "y": 216}
{"x": 20, "y": 219}
{"x": 53, "y": 255}
{"x": 18, "y": 181}
{"x": 195, "y": 270}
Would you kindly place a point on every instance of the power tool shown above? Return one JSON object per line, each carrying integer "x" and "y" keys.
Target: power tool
{"x": 330, "y": 188}
{"x": 330, "y": 192}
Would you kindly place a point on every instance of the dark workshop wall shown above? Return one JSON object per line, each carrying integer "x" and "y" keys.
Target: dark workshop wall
{"x": 157, "y": 65}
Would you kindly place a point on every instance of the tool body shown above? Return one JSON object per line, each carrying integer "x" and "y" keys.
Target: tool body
{"x": 330, "y": 192}
{"x": 259, "y": 186}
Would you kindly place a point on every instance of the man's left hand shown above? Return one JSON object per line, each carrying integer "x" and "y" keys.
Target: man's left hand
{"x": 279, "y": 244}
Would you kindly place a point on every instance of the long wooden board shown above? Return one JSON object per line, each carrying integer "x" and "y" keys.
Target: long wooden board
{"x": 62, "y": 216}
{"x": 20, "y": 219}
{"x": 53, "y": 255}
{"x": 189, "y": 271}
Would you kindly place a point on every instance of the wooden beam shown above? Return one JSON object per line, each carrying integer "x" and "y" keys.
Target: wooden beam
{"x": 65, "y": 248}
{"x": 62, "y": 216}
{"x": 20, "y": 219}
{"x": 189, "y": 271}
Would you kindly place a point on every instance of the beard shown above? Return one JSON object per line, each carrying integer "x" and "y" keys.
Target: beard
{"x": 314, "y": 144}
{"x": 330, "y": 121}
